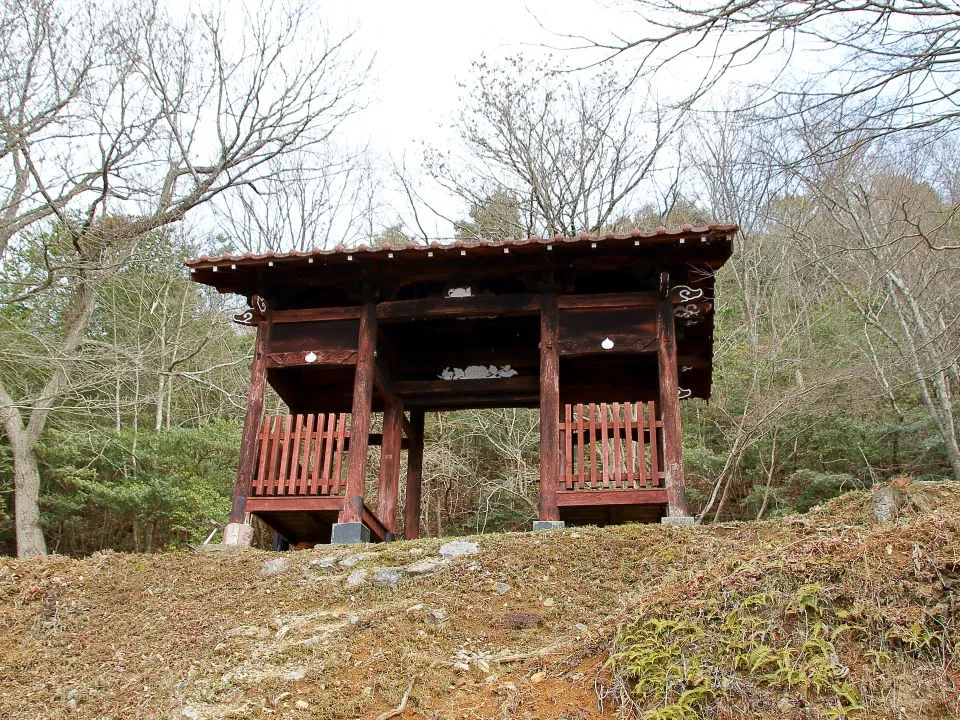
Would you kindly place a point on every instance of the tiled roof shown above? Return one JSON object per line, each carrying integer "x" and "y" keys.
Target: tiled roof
{"x": 660, "y": 233}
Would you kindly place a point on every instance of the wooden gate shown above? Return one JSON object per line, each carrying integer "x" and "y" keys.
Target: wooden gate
{"x": 609, "y": 446}
{"x": 301, "y": 455}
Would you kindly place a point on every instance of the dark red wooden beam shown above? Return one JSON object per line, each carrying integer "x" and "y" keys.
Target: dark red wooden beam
{"x": 316, "y": 314}
{"x": 411, "y": 512}
{"x": 360, "y": 414}
{"x": 549, "y": 407}
{"x": 670, "y": 411}
{"x": 607, "y": 301}
{"x": 388, "y": 489}
{"x": 321, "y": 357}
{"x": 246, "y": 467}
{"x": 293, "y": 503}
{"x": 492, "y": 386}
{"x": 590, "y": 498}
{"x": 479, "y": 306}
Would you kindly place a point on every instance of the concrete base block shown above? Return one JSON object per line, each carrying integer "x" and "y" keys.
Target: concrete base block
{"x": 237, "y": 535}
{"x": 548, "y": 525}
{"x": 349, "y": 534}
{"x": 679, "y": 520}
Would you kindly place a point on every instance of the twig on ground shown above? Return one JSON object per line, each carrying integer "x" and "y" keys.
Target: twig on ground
{"x": 400, "y": 708}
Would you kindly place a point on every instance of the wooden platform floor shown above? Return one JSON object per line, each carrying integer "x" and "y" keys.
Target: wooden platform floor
{"x": 311, "y": 519}
{"x": 612, "y": 507}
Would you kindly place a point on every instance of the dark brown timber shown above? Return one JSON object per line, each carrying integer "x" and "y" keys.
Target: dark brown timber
{"x": 602, "y": 334}
{"x": 246, "y": 468}
{"x": 389, "y": 487}
{"x": 362, "y": 405}
{"x": 411, "y": 513}
{"x": 549, "y": 408}
{"x": 670, "y": 411}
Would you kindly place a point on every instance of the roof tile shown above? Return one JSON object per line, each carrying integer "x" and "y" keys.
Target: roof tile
{"x": 340, "y": 249}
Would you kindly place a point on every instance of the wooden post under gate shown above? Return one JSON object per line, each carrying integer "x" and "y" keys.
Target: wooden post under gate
{"x": 360, "y": 414}
{"x": 549, "y": 407}
{"x": 246, "y": 467}
{"x": 411, "y": 513}
{"x": 389, "y": 487}
{"x": 670, "y": 410}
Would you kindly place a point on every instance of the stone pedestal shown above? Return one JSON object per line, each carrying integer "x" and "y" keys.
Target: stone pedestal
{"x": 678, "y": 520}
{"x": 349, "y": 533}
{"x": 237, "y": 535}
{"x": 548, "y": 525}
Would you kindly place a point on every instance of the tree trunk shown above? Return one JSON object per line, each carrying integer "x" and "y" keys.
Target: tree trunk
{"x": 26, "y": 486}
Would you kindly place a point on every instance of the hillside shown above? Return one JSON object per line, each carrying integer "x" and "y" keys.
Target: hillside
{"x": 829, "y": 614}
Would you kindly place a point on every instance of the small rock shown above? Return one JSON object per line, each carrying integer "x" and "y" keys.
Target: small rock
{"x": 414, "y": 608}
{"x": 581, "y": 627}
{"x": 352, "y": 560}
{"x": 357, "y": 577}
{"x": 323, "y": 562}
{"x": 302, "y": 705}
{"x": 354, "y": 619}
{"x": 282, "y": 632}
{"x": 416, "y": 551}
{"x": 426, "y": 566}
{"x": 548, "y": 602}
{"x": 189, "y": 712}
{"x": 458, "y": 548}
{"x": 501, "y": 588}
{"x": 538, "y": 677}
{"x": 298, "y": 673}
{"x": 272, "y": 567}
{"x": 888, "y": 502}
{"x": 388, "y": 577}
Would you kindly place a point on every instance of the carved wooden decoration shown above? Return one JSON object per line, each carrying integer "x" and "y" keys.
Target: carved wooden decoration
{"x": 253, "y": 314}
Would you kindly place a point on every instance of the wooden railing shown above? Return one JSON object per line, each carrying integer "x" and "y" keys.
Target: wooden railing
{"x": 301, "y": 455}
{"x": 611, "y": 446}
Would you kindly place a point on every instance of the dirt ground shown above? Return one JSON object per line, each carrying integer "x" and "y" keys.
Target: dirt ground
{"x": 210, "y": 635}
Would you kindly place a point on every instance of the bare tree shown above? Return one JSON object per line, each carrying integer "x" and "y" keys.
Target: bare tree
{"x": 556, "y": 152}
{"x": 116, "y": 124}
{"x": 886, "y": 66}
{"x": 888, "y": 240}
{"x": 311, "y": 199}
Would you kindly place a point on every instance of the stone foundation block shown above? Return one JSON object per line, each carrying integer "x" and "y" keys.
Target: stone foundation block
{"x": 237, "y": 535}
{"x": 349, "y": 534}
{"x": 548, "y": 525}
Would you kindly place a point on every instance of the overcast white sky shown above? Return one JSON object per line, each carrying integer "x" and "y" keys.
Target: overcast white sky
{"x": 424, "y": 47}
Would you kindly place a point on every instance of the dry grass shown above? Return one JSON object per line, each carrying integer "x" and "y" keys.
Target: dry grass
{"x": 209, "y": 636}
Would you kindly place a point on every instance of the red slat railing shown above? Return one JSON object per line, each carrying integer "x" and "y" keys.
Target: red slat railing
{"x": 301, "y": 455}
{"x": 611, "y": 446}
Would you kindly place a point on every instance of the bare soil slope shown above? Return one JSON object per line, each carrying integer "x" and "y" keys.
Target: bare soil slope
{"x": 832, "y": 614}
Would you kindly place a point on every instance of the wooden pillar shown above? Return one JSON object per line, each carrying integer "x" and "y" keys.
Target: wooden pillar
{"x": 549, "y": 408}
{"x": 670, "y": 410}
{"x": 360, "y": 414}
{"x": 251, "y": 421}
{"x": 389, "y": 487}
{"x": 411, "y": 514}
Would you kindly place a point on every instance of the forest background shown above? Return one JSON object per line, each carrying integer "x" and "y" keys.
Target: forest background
{"x": 122, "y": 383}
